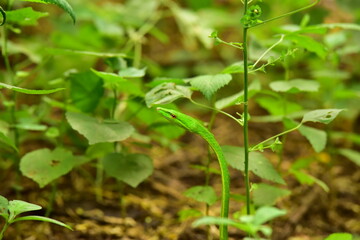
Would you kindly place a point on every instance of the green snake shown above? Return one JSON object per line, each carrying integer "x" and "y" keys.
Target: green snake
{"x": 193, "y": 125}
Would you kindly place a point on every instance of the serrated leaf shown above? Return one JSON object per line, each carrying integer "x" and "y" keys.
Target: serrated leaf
{"x": 29, "y": 91}
{"x": 83, "y": 85}
{"x": 96, "y": 131}
{"x": 237, "y": 98}
{"x": 209, "y": 84}
{"x": 339, "y": 236}
{"x": 131, "y": 169}
{"x": 265, "y": 194}
{"x": 24, "y": 16}
{"x": 60, "y": 3}
{"x": 295, "y": 86}
{"x": 43, "y": 219}
{"x": 308, "y": 43}
{"x": 44, "y": 166}
{"x": 258, "y": 164}
{"x": 202, "y": 194}
{"x": 17, "y": 207}
{"x": 322, "y": 116}
{"x": 352, "y": 155}
{"x": 166, "y": 93}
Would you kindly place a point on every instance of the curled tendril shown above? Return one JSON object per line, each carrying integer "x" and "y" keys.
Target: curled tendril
{"x": 3, "y": 13}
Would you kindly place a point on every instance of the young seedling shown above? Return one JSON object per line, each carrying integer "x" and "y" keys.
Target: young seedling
{"x": 10, "y": 210}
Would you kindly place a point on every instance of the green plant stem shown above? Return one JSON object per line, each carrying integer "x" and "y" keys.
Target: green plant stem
{"x": 286, "y": 14}
{"x": 245, "y": 115}
{"x": 276, "y": 136}
{"x": 3, "y": 230}
{"x": 52, "y": 198}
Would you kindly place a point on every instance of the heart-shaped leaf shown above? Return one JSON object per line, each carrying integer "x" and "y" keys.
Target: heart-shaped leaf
{"x": 96, "y": 131}
{"x": 131, "y": 169}
{"x": 205, "y": 194}
{"x": 43, "y": 165}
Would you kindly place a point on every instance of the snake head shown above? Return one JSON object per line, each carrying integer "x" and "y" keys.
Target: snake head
{"x": 179, "y": 118}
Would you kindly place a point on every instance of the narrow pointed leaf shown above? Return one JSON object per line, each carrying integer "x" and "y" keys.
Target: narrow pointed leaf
{"x": 29, "y": 91}
{"x": 43, "y": 219}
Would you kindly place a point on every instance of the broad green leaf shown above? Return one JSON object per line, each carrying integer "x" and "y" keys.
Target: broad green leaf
{"x": 43, "y": 219}
{"x": 83, "y": 85}
{"x": 295, "y": 86}
{"x": 305, "y": 178}
{"x": 7, "y": 141}
{"x": 352, "y": 155}
{"x": 209, "y": 84}
{"x": 17, "y": 207}
{"x": 237, "y": 67}
{"x": 132, "y": 72}
{"x": 131, "y": 169}
{"x": 258, "y": 164}
{"x": 185, "y": 214}
{"x": 96, "y": 131}
{"x": 204, "y": 194}
{"x": 44, "y": 166}
{"x": 308, "y": 43}
{"x": 266, "y": 213}
{"x": 339, "y": 236}
{"x": 29, "y": 91}
{"x": 166, "y": 93}
{"x": 264, "y": 194}
{"x": 99, "y": 150}
{"x": 316, "y": 137}
{"x": 277, "y": 106}
{"x": 322, "y": 116}
{"x": 161, "y": 80}
{"x": 24, "y": 16}
{"x": 116, "y": 82}
{"x": 238, "y": 98}
{"x": 4, "y": 205}
{"x": 60, "y": 3}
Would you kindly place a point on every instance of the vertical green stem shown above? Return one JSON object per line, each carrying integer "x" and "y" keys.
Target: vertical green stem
{"x": 3, "y": 230}
{"x": 52, "y": 198}
{"x": 245, "y": 129}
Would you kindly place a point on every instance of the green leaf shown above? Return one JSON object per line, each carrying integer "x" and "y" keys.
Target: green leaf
{"x": 29, "y": 91}
{"x": 295, "y": 86}
{"x": 131, "y": 169}
{"x": 237, "y": 67}
{"x": 185, "y": 214}
{"x": 305, "y": 178}
{"x": 96, "y": 131}
{"x": 24, "y": 16}
{"x": 209, "y": 84}
{"x": 258, "y": 164}
{"x": 43, "y": 219}
{"x": 238, "y": 98}
{"x": 266, "y": 213}
{"x": 60, "y": 3}
{"x": 132, "y": 72}
{"x": 323, "y": 115}
{"x": 4, "y": 205}
{"x": 275, "y": 106}
{"x": 204, "y": 194}
{"x": 99, "y": 150}
{"x": 316, "y": 137}
{"x": 352, "y": 155}
{"x": 17, "y": 207}
{"x": 7, "y": 141}
{"x": 264, "y": 194}
{"x": 309, "y": 44}
{"x": 61, "y": 51}
{"x": 339, "y": 236}
{"x": 44, "y": 166}
{"x": 83, "y": 85}
{"x": 166, "y": 93}
{"x": 215, "y": 220}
